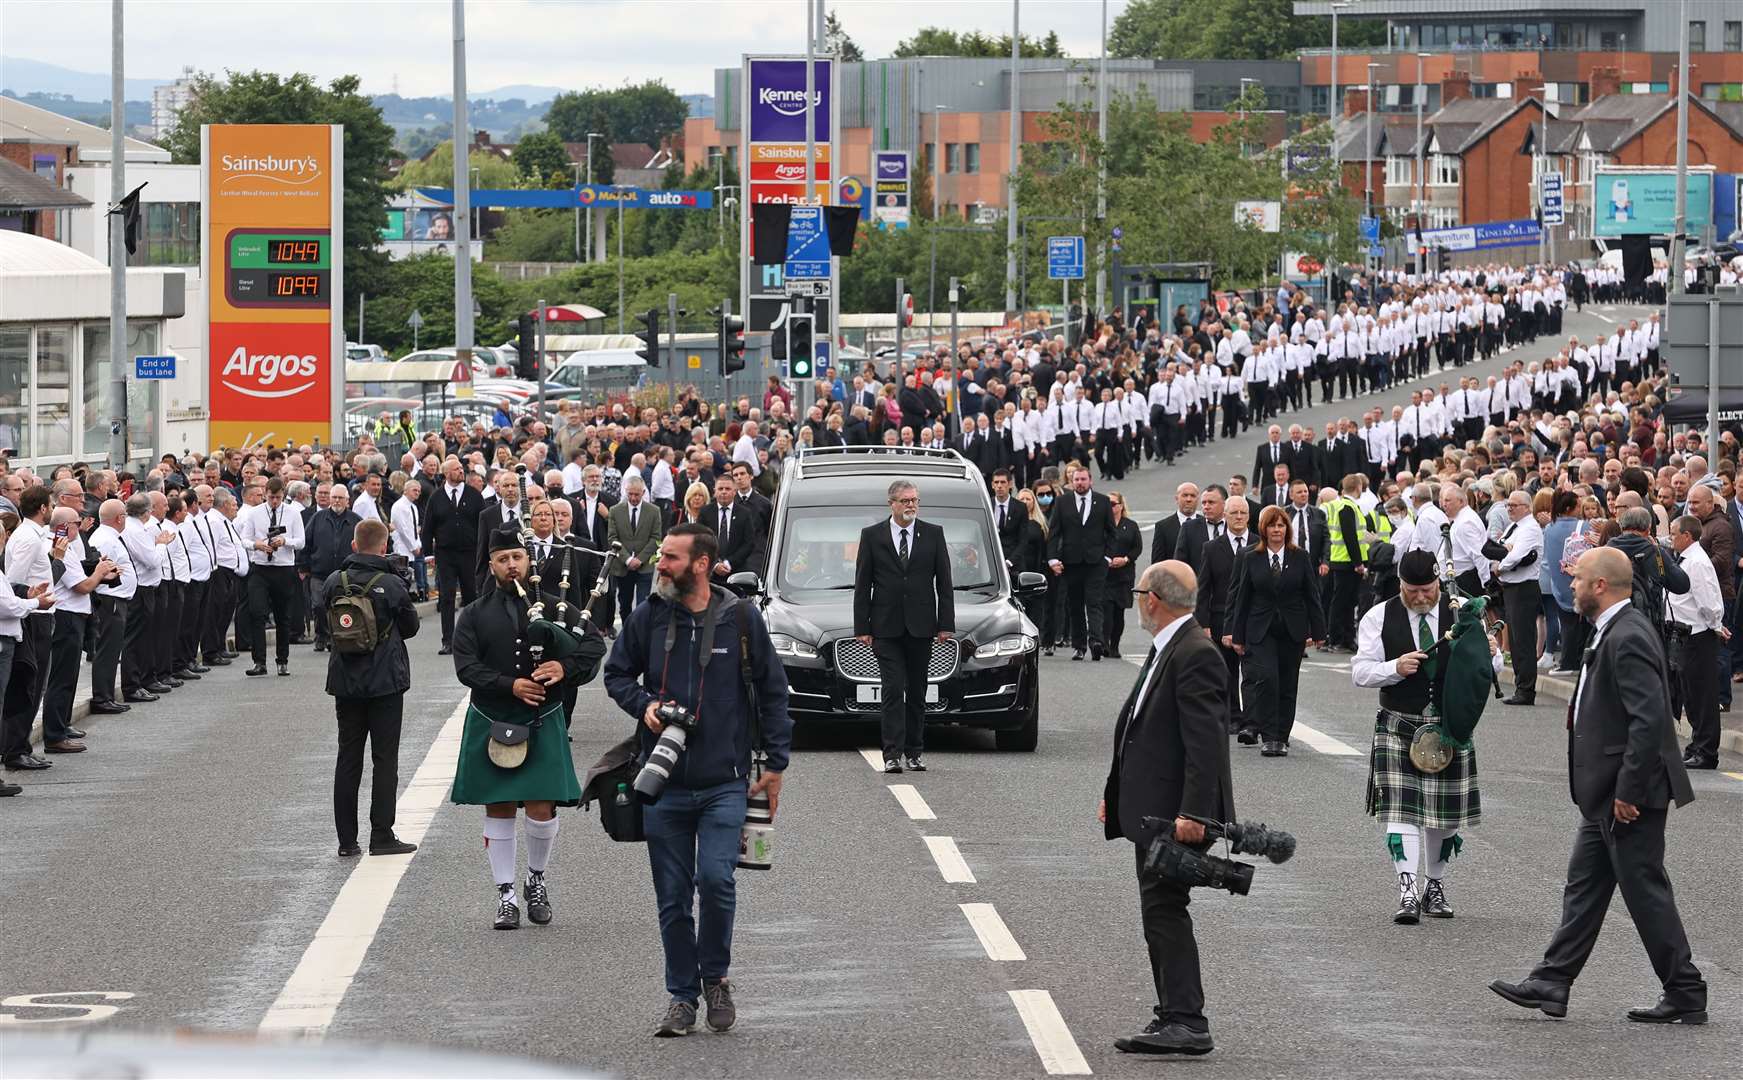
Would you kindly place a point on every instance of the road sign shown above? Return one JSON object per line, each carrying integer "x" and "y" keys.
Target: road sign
{"x": 807, "y": 246}
{"x": 813, "y": 289}
{"x": 1550, "y": 193}
{"x": 154, "y": 367}
{"x": 1688, "y": 338}
{"x": 416, "y": 322}
{"x": 1371, "y": 229}
{"x": 1064, "y": 257}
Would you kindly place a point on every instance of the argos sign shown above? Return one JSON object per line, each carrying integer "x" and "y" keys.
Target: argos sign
{"x": 274, "y": 274}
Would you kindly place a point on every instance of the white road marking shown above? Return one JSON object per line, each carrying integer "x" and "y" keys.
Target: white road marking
{"x": 1047, "y": 1030}
{"x": 949, "y": 860}
{"x": 995, "y": 938}
{"x": 312, "y": 995}
{"x": 1322, "y": 742}
{"x": 912, "y": 802}
{"x": 874, "y": 758}
{"x": 1607, "y": 319}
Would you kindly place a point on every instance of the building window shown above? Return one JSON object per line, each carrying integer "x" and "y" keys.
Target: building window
{"x": 169, "y": 235}
{"x": 15, "y": 390}
{"x": 1722, "y": 91}
{"x": 1697, "y": 35}
{"x": 1444, "y": 170}
{"x": 971, "y": 157}
{"x": 1398, "y": 171}
{"x": 952, "y": 157}
{"x": 141, "y": 394}
{"x": 51, "y": 397}
{"x": 1734, "y": 37}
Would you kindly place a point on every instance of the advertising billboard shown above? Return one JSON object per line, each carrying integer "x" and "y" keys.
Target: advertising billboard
{"x": 773, "y": 150}
{"x": 1645, "y": 201}
{"x": 893, "y": 175}
{"x": 271, "y": 198}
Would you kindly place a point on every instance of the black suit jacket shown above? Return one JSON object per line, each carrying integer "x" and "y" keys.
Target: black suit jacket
{"x": 745, "y": 548}
{"x": 1193, "y": 536}
{"x": 1268, "y": 497}
{"x": 1261, "y": 597}
{"x": 1167, "y": 537}
{"x": 1318, "y": 534}
{"x": 1303, "y": 463}
{"x": 449, "y": 529}
{"x": 1074, "y": 541}
{"x": 592, "y": 531}
{"x": 892, "y": 600}
{"x": 1011, "y": 536}
{"x": 488, "y": 522}
{"x": 1216, "y": 576}
{"x": 1262, "y": 463}
{"x": 1171, "y": 750}
{"x": 1623, "y": 743}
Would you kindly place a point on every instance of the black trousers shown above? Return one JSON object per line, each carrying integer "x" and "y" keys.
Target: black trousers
{"x": 1272, "y": 675}
{"x": 168, "y": 628}
{"x": 1173, "y": 950}
{"x": 1113, "y": 624}
{"x": 1084, "y": 586}
{"x": 193, "y": 621}
{"x": 1521, "y": 603}
{"x": 1700, "y": 690}
{"x": 109, "y": 632}
{"x": 220, "y": 606}
{"x": 65, "y": 654}
{"x": 1574, "y": 631}
{"x": 1341, "y": 627}
{"x": 271, "y": 589}
{"x": 24, "y": 687}
{"x": 242, "y": 614}
{"x": 452, "y": 572}
{"x": 902, "y": 664}
{"x": 1608, "y": 855}
{"x": 1232, "y": 661}
{"x": 377, "y": 720}
{"x": 137, "y": 654}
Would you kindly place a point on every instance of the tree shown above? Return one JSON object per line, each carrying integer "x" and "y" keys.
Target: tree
{"x": 938, "y": 41}
{"x": 837, "y": 41}
{"x": 437, "y": 170}
{"x": 542, "y": 161}
{"x": 1229, "y": 29}
{"x": 535, "y": 236}
{"x": 258, "y": 97}
{"x": 647, "y": 113}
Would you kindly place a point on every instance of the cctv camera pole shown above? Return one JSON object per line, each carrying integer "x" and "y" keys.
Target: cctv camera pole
{"x": 672, "y": 351}
{"x": 117, "y": 250}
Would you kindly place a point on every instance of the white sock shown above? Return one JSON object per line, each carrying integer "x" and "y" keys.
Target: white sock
{"x": 1405, "y": 844}
{"x": 1438, "y": 846}
{"x": 499, "y": 846}
{"x": 541, "y": 837}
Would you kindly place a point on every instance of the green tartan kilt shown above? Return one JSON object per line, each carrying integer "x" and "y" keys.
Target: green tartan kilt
{"x": 547, "y": 774}
{"x": 1399, "y": 791}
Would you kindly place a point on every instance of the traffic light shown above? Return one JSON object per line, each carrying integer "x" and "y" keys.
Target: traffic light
{"x": 649, "y": 335}
{"x": 731, "y": 344}
{"x": 800, "y": 352}
{"x": 527, "y": 349}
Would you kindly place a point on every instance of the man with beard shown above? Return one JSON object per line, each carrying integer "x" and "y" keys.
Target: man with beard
{"x": 496, "y": 657}
{"x": 1423, "y": 812}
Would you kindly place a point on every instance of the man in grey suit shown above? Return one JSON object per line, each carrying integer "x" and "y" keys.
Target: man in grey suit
{"x": 639, "y": 526}
{"x": 1623, "y": 772}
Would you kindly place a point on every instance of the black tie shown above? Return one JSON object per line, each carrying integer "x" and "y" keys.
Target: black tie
{"x": 1300, "y": 528}
{"x": 1132, "y": 699}
{"x": 632, "y": 517}
{"x": 1001, "y": 517}
{"x": 902, "y": 550}
{"x": 725, "y": 525}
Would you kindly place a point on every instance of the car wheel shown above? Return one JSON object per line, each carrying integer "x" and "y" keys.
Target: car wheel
{"x": 1023, "y": 738}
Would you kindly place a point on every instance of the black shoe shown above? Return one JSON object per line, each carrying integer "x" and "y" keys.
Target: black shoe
{"x": 7, "y": 790}
{"x": 1409, "y": 911}
{"x": 231, "y": 654}
{"x": 679, "y": 1019}
{"x": 320, "y": 646}
{"x": 1521, "y": 699}
{"x": 1048, "y": 651}
{"x": 722, "y": 1013}
{"x": 108, "y": 708}
{"x": 198, "y": 669}
{"x": 1550, "y": 998}
{"x": 283, "y": 667}
{"x": 445, "y": 650}
{"x": 1095, "y": 650}
{"x": 538, "y": 899}
{"x": 138, "y": 697}
{"x": 1274, "y": 749}
{"x": 218, "y": 661}
{"x": 390, "y": 845}
{"x": 1667, "y": 1013}
{"x": 186, "y": 675}
{"x": 75, "y": 733}
{"x": 173, "y": 682}
{"x": 1434, "y": 903}
{"x": 26, "y": 763}
{"x": 1077, "y": 654}
{"x": 1167, "y": 1039}
{"x": 892, "y": 766}
{"x": 507, "y": 914}
{"x": 914, "y": 763}
{"x": 1247, "y": 736}
{"x": 257, "y": 669}
{"x": 162, "y": 686}
{"x": 349, "y": 851}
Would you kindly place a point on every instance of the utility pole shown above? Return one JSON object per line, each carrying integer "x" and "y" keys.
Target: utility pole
{"x": 955, "y": 298}
{"x": 360, "y": 301}
{"x": 117, "y": 247}
{"x": 539, "y": 362}
{"x": 1011, "y": 175}
{"x": 1101, "y": 176}
{"x": 617, "y": 189}
{"x": 1421, "y": 196}
{"x": 462, "y": 198}
{"x": 672, "y": 351}
{"x": 896, "y": 361}
{"x": 1678, "y": 282}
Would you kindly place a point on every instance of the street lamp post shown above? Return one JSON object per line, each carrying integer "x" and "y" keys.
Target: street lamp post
{"x": 617, "y": 190}
{"x": 1332, "y": 105}
{"x": 1539, "y": 165}
{"x": 1368, "y": 158}
{"x": 937, "y": 161}
{"x": 1420, "y": 199}
{"x": 1678, "y": 276}
{"x": 591, "y": 135}
{"x": 1011, "y": 175}
{"x": 1243, "y": 107}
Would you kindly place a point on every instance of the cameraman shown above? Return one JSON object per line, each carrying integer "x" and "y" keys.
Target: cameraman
{"x": 693, "y": 828}
{"x": 1171, "y": 758}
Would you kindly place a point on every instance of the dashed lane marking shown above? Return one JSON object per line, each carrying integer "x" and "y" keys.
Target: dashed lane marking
{"x": 949, "y": 860}
{"x": 311, "y": 997}
{"x": 912, "y": 803}
{"x": 1322, "y": 742}
{"x": 874, "y": 758}
{"x": 995, "y": 938}
{"x": 1735, "y": 775}
{"x": 1053, "y": 1042}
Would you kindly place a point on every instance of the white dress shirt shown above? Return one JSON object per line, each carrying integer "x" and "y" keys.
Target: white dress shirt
{"x": 745, "y": 450}
{"x": 1702, "y": 608}
{"x": 364, "y": 506}
{"x": 107, "y": 543}
{"x": 1521, "y": 537}
{"x": 1468, "y": 537}
{"x": 1369, "y": 667}
{"x": 253, "y": 524}
{"x": 66, "y": 595}
{"x": 896, "y": 532}
{"x": 1160, "y": 641}
{"x": 27, "y": 559}
{"x": 142, "y": 545}
{"x": 199, "y": 547}
{"x": 227, "y": 549}
{"x": 406, "y": 525}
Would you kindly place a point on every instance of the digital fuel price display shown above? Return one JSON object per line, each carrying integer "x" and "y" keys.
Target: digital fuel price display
{"x": 286, "y": 268}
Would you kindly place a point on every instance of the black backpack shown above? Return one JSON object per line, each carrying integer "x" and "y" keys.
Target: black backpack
{"x": 351, "y": 616}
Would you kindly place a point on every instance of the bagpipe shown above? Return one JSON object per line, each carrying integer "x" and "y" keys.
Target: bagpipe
{"x": 548, "y": 639}
{"x": 1464, "y": 673}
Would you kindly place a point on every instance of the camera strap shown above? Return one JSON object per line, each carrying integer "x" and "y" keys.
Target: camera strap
{"x": 710, "y": 618}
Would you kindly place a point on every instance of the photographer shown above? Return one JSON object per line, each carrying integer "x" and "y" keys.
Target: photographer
{"x": 1171, "y": 758}
{"x": 693, "y": 827}
{"x": 368, "y": 680}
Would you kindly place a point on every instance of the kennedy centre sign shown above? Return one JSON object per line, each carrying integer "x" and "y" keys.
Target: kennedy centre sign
{"x": 272, "y": 223}
{"x": 774, "y": 108}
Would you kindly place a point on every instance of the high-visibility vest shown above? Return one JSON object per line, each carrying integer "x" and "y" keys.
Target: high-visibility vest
{"x": 1380, "y": 525}
{"x": 1340, "y": 552}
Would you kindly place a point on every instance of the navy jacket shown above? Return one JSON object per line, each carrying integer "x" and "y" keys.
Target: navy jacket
{"x": 719, "y": 747}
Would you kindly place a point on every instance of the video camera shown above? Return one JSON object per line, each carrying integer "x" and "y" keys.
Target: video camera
{"x": 1175, "y": 861}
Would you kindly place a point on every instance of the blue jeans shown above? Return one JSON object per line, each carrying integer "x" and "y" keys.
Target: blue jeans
{"x": 420, "y": 574}
{"x": 693, "y": 848}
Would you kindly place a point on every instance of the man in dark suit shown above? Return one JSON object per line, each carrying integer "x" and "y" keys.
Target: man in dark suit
{"x": 1623, "y": 773}
{"x": 1207, "y": 526}
{"x": 1216, "y": 576}
{"x": 1168, "y": 529}
{"x": 1301, "y": 456}
{"x": 1276, "y": 493}
{"x": 504, "y": 510}
{"x": 738, "y": 528}
{"x": 1078, "y": 539}
{"x": 902, "y": 603}
{"x": 1009, "y": 516}
{"x": 756, "y": 500}
{"x": 1271, "y": 453}
{"x": 451, "y": 534}
{"x": 1171, "y": 758}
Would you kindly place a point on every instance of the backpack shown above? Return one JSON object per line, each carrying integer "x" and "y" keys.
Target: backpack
{"x": 351, "y": 617}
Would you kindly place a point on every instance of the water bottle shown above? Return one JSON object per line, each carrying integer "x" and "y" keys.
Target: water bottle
{"x": 756, "y": 838}
{"x": 622, "y": 800}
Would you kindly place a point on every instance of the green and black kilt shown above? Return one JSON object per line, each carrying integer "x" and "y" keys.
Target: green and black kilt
{"x": 547, "y": 774}
{"x": 1399, "y": 791}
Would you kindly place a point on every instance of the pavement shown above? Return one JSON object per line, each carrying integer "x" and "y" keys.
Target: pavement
{"x": 969, "y": 920}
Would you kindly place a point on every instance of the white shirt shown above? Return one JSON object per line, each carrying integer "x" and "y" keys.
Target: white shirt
{"x": 745, "y": 450}
{"x": 896, "y": 532}
{"x": 27, "y": 558}
{"x": 662, "y": 485}
{"x": 65, "y": 595}
{"x": 572, "y": 478}
{"x": 366, "y": 507}
{"x": 407, "y": 539}
{"x": 142, "y": 545}
{"x": 1163, "y": 637}
{"x": 178, "y": 561}
{"x": 1702, "y": 608}
{"x": 1521, "y": 537}
{"x": 1468, "y": 535}
{"x": 199, "y": 548}
{"x": 1369, "y": 667}
{"x": 227, "y": 549}
{"x": 13, "y": 609}
{"x": 253, "y": 523}
{"x": 1427, "y": 533}
{"x": 107, "y": 543}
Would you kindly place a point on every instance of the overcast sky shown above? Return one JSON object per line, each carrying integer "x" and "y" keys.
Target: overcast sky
{"x": 565, "y": 43}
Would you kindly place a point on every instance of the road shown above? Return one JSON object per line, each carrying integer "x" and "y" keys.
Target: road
{"x": 968, "y": 920}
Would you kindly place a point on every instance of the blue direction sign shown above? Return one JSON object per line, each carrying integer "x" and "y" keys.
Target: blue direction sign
{"x": 154, "y": 367}
{"x": 1064, "y": 257}
{"x": 807, "y": 246}
{"x": 1553, "y": 209}
{"x": 1371, "y": 229}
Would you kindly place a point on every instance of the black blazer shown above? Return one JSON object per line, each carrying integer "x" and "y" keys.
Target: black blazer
{"x": 1216, "y": 575}
{"x": 488, "y": 522}
{"x": 1011, "y": 536}
{"x": 1193, "y": 536}
{"x": 891, "y": 600}
{"x": 1128, "y": 541}
{"x": 1262, "y": 463}
{"x": 1318, "y": 533}
{"x": 1303, "y": 463}
{"x": 1260, "y": 597}
{"x": 1167, "y": 537}
{"x": 745, "y": 547}
{"x": 592, "y": 531}
{"x": 1623, "y": 742}
{"x": 450, "y": 529}
{"x": 1171, "y": 753}
{"x": 1268, "y": 497}
{"x": 1076, "y": 542}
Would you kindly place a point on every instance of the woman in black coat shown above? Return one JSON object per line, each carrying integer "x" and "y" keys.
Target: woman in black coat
{"x": 1273, "y": 617}
{"x": 1127, "y": 545}
{"x": 1032, "y": 556}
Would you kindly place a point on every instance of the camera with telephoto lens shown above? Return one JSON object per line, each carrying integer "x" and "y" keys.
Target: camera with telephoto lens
{"x": 663, "y": 758}
{"x": 1169, "y": 858}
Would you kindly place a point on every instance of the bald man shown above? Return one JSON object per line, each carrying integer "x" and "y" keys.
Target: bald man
{"x": 1623, "y": 772}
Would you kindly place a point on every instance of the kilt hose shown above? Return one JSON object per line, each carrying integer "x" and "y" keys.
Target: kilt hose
{"x": 1400, "y": 792}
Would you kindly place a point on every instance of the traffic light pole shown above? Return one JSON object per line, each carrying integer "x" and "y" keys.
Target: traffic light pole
{"x": 672, "y": 353}
{"x": 539, "y": 361}
{"x": 901, "y": 291}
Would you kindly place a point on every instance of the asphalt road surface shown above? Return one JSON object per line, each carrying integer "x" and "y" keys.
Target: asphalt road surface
{"x": 969, "y": 921}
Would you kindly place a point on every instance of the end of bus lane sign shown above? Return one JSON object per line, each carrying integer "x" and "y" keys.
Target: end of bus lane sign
{"x": 154, "y": 367}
